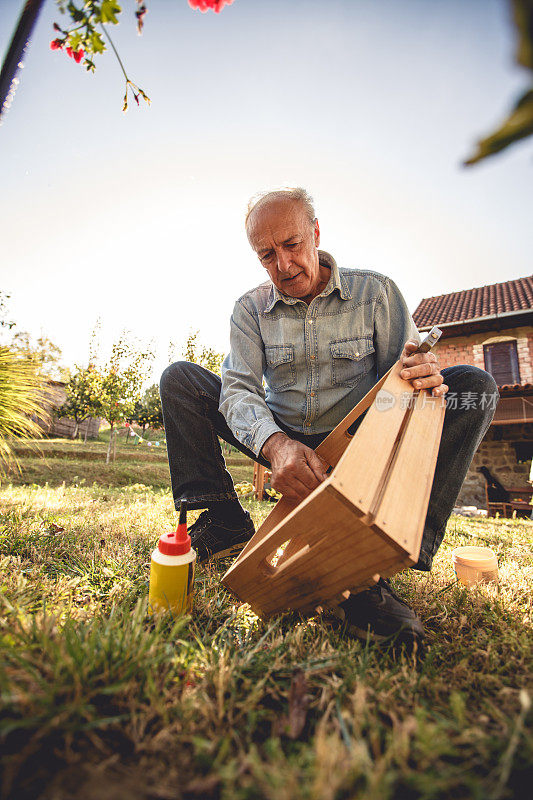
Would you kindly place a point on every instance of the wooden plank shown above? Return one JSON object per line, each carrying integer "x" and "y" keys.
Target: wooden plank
{"x": 281, "y": 510}
{"x": 330, "y": 450}
{"x": 321, "y": 569}
{"x": 360, "y": 473}
{"x": 403, "y": 507}
{"x": 304, "y": 593}
{"x": 259, "y": 480}
{"x": 268, "y": 533}
{"x": 336, "y": 442}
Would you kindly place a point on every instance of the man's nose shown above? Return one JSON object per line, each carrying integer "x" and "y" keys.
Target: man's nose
{"x": 284, "y": 261}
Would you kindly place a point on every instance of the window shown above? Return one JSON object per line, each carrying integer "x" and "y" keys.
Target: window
{"x": 501, "y": 360}
{"x": 523, "y": 450}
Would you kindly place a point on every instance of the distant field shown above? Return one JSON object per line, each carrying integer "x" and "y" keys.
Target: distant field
{"x": 58, "y": 461}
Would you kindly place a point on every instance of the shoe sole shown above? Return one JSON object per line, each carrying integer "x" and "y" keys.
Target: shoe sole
{"x": 229, "y": 552}
{"x": 362, "y": 634}
{"x": 378, "y": 638}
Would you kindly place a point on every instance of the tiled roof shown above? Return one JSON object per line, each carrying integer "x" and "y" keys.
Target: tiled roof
{"x": 509, "y": 388}
{"x": 485, "y": 301}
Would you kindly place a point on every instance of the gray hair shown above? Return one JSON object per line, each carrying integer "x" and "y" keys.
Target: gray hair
{"x": 296, "y": 194}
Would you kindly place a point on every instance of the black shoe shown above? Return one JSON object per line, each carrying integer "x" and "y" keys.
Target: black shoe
{"x": 212, "y": 538}
{"x": 380, "y": 615}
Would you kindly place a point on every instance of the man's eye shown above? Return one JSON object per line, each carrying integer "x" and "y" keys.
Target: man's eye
{"x": 293, "y": 244}
{"x": 266, "y": 257}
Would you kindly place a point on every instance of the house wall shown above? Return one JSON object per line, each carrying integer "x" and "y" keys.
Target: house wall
{"x": 64, "y": 426}
{"x": 496, "y": 450}
{"x": 469, "y": 349}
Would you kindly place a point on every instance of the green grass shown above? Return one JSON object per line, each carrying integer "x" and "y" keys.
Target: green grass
{"x": 100, "y": 701}
{"x": 63, "y": 461}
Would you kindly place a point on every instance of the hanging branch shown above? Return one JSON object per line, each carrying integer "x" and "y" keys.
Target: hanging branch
{"x": 83, "y": 38}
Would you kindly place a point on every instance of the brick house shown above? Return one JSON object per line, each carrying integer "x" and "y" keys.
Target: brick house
{"x": 491, "y": 327}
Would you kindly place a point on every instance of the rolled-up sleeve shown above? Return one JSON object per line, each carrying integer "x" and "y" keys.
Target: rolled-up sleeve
{"x": 242, "y": 399}
{"x": 393, "y": 326}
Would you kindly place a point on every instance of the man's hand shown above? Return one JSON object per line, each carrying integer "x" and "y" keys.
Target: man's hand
{"x": 422, "y": 370}
{"x": 296, "y": 468}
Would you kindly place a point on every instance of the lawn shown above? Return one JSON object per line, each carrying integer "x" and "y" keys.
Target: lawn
{"x": 57, "y": 461}
{"x": 100, "y": 701}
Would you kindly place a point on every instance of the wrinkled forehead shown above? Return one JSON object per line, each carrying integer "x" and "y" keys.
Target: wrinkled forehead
{"x": 275, "y": 222}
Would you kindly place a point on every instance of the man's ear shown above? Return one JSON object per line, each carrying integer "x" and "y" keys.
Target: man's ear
{"x": 317, "y": 233}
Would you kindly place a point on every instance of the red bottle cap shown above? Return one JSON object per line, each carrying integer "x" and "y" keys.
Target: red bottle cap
{"x": 178, "y": 542}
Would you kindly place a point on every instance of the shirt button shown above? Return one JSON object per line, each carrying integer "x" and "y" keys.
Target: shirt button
{"x": 357, "y": 355}
{"x": 313, "y": 394}
{"x": 312, "y": 356}
{"x": 310, "y": 321}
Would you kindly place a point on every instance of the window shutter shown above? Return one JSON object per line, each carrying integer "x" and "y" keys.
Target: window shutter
{"x": 501, "y": 360}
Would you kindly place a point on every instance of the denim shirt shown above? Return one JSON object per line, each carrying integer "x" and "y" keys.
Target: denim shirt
{"x": 310, "y": 364}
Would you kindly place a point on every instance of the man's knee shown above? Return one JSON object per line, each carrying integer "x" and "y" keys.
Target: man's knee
{"x": 470, "y": 389}
{"x": 173, "y": 378}
{"x": 187, "y": 380}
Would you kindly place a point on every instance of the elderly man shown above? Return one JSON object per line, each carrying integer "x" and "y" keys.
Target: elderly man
{"x": 319, "y": 337}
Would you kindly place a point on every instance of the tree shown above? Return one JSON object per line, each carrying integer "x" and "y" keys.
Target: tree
{"x": 148, "y": 411}
{"x": 22, "y": 399}
{"x": 41, "y": 352}
{"x": 201, "y": 354}
{"x": 122, "y": 379}
{"x": 23, "y": 395}
{"x": 4, "y": 321}
{"x": 83, "y": 396}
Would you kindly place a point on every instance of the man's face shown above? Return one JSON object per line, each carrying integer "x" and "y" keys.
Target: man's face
{"x": 286, "y": 243}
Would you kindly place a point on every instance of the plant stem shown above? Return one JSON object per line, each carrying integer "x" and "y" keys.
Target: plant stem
{"x": 110, "y": 40}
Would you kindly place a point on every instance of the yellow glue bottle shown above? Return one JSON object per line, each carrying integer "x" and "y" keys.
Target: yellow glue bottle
{"x": 172, "y": 570}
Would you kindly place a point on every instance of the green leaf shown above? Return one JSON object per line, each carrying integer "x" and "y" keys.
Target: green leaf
{"x": 518, "y": 125}
{"x": 523, "y": 17}
{"x": 75, "y": 13}
{"x": 97, "y": 42}
{"x": 109, "y": 11}
{"x": 74, "y": 40}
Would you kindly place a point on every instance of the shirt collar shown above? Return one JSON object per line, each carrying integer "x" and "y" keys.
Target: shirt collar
{"x": 336, "y": 281}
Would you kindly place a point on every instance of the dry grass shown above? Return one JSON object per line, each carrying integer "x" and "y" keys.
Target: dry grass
{"x": 61, "y": 461}
{"x": 100, "y": 701}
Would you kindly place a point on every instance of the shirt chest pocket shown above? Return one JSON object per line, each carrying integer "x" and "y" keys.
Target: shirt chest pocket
{"x": 351, "y": 360}
{"x": 280, "y": 372}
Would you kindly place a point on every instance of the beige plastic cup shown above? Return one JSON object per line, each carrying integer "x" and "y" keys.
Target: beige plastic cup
{"x": 475, "y": 565}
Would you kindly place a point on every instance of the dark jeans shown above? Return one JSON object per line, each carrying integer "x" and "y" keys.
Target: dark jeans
{"x": 193, "y": 423}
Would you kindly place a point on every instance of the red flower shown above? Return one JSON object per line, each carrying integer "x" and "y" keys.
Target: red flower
{"x": 56, "y": 44}
{"x": 77, "y": 55}
{"x": 205, "y": 5}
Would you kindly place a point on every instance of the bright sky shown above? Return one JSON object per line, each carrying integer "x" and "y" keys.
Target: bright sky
{"x": 371, "y": 105}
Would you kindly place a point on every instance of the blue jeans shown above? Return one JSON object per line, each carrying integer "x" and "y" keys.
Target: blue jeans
{"x": 193, "y": 423}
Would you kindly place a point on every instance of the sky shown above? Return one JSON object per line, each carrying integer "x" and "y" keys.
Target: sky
{"x": 136, "y": 219}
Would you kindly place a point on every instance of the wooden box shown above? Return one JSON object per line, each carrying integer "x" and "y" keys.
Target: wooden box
{"x": 364, "y": 521}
